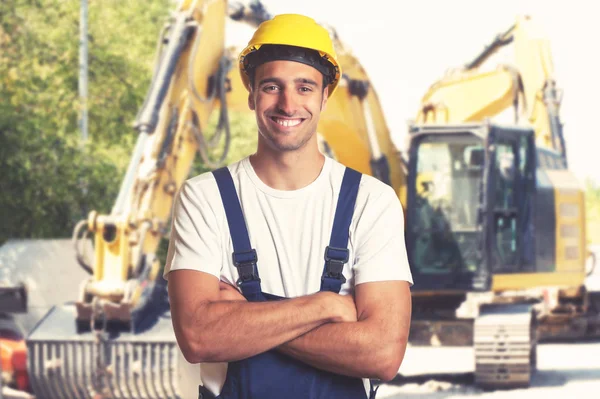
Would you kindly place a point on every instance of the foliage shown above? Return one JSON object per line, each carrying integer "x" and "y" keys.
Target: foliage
{"x": 49, "y": 178}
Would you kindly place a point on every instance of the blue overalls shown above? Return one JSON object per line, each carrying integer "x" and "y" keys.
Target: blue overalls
{"x": 272, "y": 375}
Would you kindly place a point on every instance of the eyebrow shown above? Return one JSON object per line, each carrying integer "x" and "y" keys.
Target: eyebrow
{"x": 297, "y": 80}
{"x": 268, "y": 80}
{"x": 307, "y": 81}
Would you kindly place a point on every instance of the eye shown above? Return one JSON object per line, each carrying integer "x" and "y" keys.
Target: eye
{"x": 270, "y": 88}
{"x": 305, "y": 89}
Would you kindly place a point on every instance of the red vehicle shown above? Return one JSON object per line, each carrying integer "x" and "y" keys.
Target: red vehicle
{"x": 13, "y": 351}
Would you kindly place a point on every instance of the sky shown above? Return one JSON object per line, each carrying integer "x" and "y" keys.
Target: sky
{"x": 405, "y": 46}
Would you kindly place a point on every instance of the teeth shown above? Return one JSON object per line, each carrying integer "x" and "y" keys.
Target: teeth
{"x": 288, "y": 122}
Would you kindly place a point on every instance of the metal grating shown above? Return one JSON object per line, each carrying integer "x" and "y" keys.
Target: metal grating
{"x": 117, "y": 370}
{"x": 82, "y": 366}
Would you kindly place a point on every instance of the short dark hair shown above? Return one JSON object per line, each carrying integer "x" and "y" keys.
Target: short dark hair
{"x": 274, "y": 52}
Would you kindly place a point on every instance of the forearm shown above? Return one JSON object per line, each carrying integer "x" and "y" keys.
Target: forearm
{"x": 224, "y": 331}
{"x": 355, "y": 349}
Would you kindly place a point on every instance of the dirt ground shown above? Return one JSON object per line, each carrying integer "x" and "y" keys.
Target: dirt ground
{"x": 565, "y": 371}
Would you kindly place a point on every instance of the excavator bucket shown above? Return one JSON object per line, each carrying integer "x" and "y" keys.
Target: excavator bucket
{"x": 66, "y": 361}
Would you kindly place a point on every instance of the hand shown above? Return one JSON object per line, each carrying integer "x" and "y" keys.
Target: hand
{"x": 343, "y": 307}
{"x": 229, "y": 293}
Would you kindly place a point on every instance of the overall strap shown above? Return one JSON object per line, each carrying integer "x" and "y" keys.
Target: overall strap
{"x": 244, "y": 256}
{"x": 336, "y": 253}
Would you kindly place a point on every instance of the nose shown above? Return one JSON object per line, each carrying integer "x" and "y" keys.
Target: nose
{"x": 287, "y": 104}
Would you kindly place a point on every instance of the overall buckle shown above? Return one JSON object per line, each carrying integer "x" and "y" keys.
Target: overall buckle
{"x": 246, "y": 262}
{"x": 335, "y": 259}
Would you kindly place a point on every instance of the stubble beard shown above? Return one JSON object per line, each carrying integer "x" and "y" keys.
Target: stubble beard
{"x": 287, "y": 146}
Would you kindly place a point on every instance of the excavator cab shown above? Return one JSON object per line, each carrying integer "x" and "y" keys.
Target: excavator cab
{"x": 469, "y": 202}
{"x": 495, "y": 232}
{"x": 470, "y": 196}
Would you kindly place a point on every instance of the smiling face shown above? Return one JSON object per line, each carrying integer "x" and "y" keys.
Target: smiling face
{"x": 287, "y": 98}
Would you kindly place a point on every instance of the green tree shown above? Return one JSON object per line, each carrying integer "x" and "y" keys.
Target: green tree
{"x": 48, "y": 178}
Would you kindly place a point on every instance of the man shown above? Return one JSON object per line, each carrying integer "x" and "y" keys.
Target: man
{"x": 262, "y": 226}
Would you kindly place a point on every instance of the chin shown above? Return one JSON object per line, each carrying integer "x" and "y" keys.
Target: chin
{"x": 285, "y": 143}
{"x": 286, "y": 146}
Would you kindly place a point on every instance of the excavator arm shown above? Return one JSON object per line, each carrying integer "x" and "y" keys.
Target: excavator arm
{"x": 354, "y": 125}
{"x": 188, "y": 83}
{"x": 469, "y": 94}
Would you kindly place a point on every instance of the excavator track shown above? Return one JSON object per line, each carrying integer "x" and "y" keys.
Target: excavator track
{"x": 505, "y": 346}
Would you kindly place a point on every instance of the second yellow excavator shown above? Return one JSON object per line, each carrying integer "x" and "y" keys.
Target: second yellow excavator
{"x": 495, "y": 219}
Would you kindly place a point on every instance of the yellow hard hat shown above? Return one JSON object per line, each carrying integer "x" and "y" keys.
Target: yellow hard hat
{"x": 295, "y": 32}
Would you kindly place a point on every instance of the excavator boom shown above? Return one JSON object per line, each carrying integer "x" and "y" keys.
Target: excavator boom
{"x": 471, "y": 94}
{"x": 117, "y": 340}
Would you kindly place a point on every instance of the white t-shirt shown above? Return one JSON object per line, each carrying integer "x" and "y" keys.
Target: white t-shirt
{"x": 289, "y": 230}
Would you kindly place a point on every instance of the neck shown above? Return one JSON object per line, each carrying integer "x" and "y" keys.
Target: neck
{"x": 290, "y": 170}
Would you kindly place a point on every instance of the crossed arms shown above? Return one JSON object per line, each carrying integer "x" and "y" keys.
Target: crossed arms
{"x": 362, "y": 337}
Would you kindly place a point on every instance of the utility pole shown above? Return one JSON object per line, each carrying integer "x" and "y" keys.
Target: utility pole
{"x": 83, "y": 100}
{"x": 83, "y": 70}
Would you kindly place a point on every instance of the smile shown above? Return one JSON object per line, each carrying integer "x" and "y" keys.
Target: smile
{"x": 287, "y": 122}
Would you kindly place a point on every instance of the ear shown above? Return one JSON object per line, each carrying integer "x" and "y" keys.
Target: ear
{"x": 325, "y": 96}
{"x": 251, "y": 103}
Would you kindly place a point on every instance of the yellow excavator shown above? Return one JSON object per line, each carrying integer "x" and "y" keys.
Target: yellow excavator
{"x": 114, "y": 339}
{"x": 495, "y": 220}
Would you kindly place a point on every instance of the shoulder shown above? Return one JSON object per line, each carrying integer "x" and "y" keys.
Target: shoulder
{"x": 371, "y": 190}
{"x": 377, "y": 202}
{"x": 372, "y": 187}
